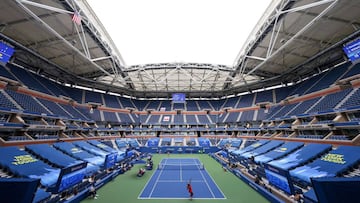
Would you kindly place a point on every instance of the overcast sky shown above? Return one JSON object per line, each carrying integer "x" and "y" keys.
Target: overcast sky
{"x": 161, "y": 31}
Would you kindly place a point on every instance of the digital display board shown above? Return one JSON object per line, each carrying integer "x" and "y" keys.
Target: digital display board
{"x": 352, "y": 50}
{"x": 71, "y": 176}
{"x": 279, "y": 178}
{"x": 178, "y": 98}
{"x": 5, "y": 52}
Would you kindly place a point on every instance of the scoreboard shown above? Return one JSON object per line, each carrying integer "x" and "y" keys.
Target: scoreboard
{"x": 352, "y": 50}
{"x": 178, "y": 98}
{"x": 5, "y": 52}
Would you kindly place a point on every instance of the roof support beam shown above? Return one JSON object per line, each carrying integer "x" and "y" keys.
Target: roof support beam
{"x": 50, "y": 29}
{"x": 296, "y": 35}
{"x": 256, "y": 58}
{"x": 101, "y": 58}
{"x": 81, "y": 34}
{"x": 273, "y": 38}
{"x": 307, "y": 6}
{"x": 50, "y": 8}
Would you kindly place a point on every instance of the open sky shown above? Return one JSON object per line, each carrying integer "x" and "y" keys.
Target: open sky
{"x": 167, "y": 31}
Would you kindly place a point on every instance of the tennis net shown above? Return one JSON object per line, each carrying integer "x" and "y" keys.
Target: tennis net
{"x": 199, "y": 166}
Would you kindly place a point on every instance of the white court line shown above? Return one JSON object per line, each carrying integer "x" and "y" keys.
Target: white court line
{"x": 180, "y": 172}
{"x": 177, "y": 181}
{"x": 164, "y": 161}
{"x": 215, "y": 184}
{"x": 181, "y": 198}
{"x": 157, "y": 180}
{"x": 145, "y": 187}
{"x": 207, "y": 184}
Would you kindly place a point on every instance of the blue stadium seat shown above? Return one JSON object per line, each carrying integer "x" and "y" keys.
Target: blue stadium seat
{"x": 204, "y": 142}
{"x": 153, "y": 142}
{"x": 264, "y": 96}
{"x": 329, "y": 165}
{"x": 93, "y": 97}
{"x": 90, "y": 148}
{"x": 278, "y": 152}
{"x": 5, "y": 102}
{"x": 57, "y": 157}
{"x": 262, "y": 149}
{"x": 246, "y": 101}
{"x": 301, "y": 156}
{"x": 21, "y": 163}
{"x": 111, "y": 101}
{"x": 78, "y": 153}
{"x": 250, "y": 147}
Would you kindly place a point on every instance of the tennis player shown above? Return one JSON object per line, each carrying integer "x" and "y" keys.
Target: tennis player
{"x": 189, "y": 188}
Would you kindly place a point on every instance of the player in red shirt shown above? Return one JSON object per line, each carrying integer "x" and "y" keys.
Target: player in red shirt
{"x": 189, "y": 188}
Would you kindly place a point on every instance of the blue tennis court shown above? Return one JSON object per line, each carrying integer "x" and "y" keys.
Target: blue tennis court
{"x": 170, "y": 179}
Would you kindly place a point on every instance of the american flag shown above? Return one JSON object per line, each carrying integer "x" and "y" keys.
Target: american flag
{"x": 76, "y": 18}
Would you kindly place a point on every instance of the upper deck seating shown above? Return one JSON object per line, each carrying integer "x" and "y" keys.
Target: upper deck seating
{"x": 353, "y": 100}
{"x": 111, "y": 101}
{"x": 178, "y": 106}
{"x": 74, "y": 93}
{"x": 29, "y": 80}
{"x": 54, "y": 108}
{"x": 126, "y": 103}
{"x": 204, "y": 104}
{"x": 53, "y": 87}
{"x": 231, "y": 102}
{"x": 328, "y": 78}
{"x": 330, "y": 101}
{"x": 246, "y": 101}
{"x": 264, "y": 96}
{"x": 191, "y": 105}
{"x": 94, "y": 97}
{"x": 353, "y": 71}
{"x": 27, "y": 102}
{"x": 282, "y": 93}
{"x": 5, "y": 73}
{"x": 5, "y": 102}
